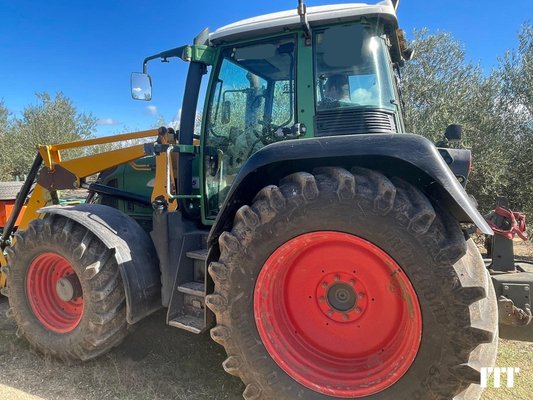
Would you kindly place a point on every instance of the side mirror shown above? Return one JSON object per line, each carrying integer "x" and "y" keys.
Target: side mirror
{"x": 226, "y": 112}
{"x": 141, "y": 86}
{"x": 408, "y": 54}
{"x": 454, "y": 132}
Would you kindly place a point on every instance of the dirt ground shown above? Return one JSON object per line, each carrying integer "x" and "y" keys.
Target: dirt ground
{"x": 523, "y": 249}
{"x": 154, "y": 362}
{"x": 160, "y": 362}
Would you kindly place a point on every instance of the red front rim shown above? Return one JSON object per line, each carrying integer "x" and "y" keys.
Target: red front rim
{"x": 54, "y": 313}
{"x": 337, "y": 314}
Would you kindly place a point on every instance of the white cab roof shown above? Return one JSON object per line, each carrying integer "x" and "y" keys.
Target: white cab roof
{"x": 270, "y": 23}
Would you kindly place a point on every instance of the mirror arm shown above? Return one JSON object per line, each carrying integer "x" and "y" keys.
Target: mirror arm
{"x": 177, "y": 52}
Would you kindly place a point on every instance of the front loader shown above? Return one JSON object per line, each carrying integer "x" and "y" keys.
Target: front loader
{"x": 321, "y": 245}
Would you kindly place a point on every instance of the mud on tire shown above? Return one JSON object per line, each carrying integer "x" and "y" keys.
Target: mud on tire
{"x": 456, "y": 297}
{"x": 102, "y": 324}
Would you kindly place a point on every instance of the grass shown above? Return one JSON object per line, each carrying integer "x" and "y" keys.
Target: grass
{"x": 514, "y": 354}
{"x": 154, "y": 362}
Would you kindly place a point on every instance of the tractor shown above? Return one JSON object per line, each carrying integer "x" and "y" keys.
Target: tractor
{"x": 324, "y": 247}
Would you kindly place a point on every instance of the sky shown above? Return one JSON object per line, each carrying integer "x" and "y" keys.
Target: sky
{"x": 87, "y": 49}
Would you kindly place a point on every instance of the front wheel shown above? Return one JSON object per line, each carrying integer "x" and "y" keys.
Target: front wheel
{"x": 65, "y": 290}
{"x": 345, "y": 284}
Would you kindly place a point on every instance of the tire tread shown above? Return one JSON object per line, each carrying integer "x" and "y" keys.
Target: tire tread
{"x": 367, "y": 190}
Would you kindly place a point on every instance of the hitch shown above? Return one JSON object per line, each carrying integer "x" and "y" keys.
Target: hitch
{"x": 511, "y": 314}
{"x": 506, "y": 225}
{"x": 513, "y": 291}
{"x": 512, "y": 279}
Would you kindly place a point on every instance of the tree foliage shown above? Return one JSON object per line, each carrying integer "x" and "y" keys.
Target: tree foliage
{"x": 4, "y": 119}
{"x": 50, "y": 120}
{"x": 515, "y": 74}
{"x": 440, "y": 87}
{"x": 4, "y": 129}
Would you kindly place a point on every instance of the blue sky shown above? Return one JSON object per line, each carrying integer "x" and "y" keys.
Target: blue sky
{"x": 87, "y": 49}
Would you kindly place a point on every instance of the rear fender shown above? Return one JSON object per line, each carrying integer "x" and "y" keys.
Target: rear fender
{"x": 134, "y": 252}
{"x": 407, "y": 156}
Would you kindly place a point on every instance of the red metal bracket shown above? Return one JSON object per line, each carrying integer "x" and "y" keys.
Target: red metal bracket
{"x": 515, "y": 223}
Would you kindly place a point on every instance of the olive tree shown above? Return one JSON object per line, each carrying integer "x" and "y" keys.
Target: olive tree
{"x": 50, "y": 120}
{"x": 515, "y": 101}
{"x": 440, "y": 87}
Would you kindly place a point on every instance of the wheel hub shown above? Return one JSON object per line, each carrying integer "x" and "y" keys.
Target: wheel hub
{"x": 68, "y": 288}
{"x": 341, "y": 296}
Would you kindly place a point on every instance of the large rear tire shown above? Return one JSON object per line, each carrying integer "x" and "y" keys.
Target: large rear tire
{"x": 65, "y": 290}
{"x": 317, "y": 273}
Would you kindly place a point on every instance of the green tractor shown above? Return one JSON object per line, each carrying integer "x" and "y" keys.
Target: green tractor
{"x": 320, "y": 244}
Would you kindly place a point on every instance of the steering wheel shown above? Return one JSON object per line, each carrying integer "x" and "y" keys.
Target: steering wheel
{"x": 265, "y": 137}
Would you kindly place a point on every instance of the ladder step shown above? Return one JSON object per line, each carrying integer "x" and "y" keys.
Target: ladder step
{"x": 194, "y": 288}
{"x": 198, "y": 254}
{"x": 188, "y": 323}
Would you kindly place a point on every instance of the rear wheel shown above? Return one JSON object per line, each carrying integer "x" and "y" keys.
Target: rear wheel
{"x": 65, "y": 290}
{"x": 350, "y": 285}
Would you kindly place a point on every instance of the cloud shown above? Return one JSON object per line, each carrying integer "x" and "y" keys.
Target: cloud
{"x": 107, "y": 121}
{"x": 365, "y": 96}
{"x": 152, "y": 110}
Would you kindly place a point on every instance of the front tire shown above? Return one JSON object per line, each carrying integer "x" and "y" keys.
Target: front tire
{"x": 65, "y": 290}
{"x": 290, "y": 334}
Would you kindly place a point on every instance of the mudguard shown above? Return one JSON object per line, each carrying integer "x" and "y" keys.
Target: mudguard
{"x": 408, "y": 156}
{"x": 134, "y": 252}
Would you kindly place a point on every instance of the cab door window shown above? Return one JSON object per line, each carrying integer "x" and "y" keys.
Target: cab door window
{"x": 251, "y": 101}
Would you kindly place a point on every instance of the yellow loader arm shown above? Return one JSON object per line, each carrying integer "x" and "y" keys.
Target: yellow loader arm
{"x": 57, "y": 175}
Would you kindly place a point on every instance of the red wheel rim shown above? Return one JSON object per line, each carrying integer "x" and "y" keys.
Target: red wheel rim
{"x": 337, "y": 314}
{"x": 51, "y": 310}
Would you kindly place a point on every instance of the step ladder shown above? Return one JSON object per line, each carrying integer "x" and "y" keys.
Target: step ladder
{"x": 187, "y": 309}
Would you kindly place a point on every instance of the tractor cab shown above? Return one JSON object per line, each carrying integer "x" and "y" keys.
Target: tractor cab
{"x": 297, "y": 74}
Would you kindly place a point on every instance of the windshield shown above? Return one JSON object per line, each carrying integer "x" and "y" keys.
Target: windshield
{"x": 352, "y": 68}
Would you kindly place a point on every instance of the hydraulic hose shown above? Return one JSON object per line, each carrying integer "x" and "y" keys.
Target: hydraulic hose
{"x": 19, "y": 202}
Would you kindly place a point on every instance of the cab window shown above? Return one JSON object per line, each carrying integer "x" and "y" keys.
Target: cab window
{"x": 351, "y": 68}
{"x": 251, "y": 102}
